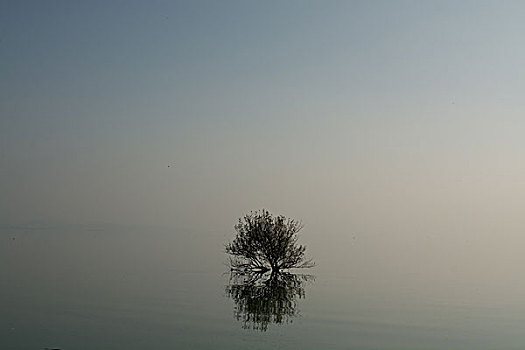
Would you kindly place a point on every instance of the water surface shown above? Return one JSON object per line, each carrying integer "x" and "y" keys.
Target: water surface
{"x": 129, "y": 288}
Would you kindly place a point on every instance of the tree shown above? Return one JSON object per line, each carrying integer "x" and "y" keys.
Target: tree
{"x": 265, "y": 242}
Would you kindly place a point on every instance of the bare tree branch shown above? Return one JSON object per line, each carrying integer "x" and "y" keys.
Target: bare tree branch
{"x": 265, "y": 242}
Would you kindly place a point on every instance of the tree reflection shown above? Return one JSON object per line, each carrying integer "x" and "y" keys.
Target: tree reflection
{"x": 264, "y": 298}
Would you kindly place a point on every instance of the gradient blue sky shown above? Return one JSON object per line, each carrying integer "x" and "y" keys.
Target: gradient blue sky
{"x": 354, "y": 116}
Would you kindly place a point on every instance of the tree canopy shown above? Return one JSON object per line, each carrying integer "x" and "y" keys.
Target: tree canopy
{"x": 265, "y": 242}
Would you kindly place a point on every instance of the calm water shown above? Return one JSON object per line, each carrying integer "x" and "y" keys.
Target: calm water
{"x": 115, "y": 288}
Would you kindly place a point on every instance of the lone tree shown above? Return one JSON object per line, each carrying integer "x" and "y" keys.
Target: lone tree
{"x": 265, "y": 242}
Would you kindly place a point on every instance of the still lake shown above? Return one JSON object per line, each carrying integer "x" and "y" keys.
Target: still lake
{"x": 127, "y": 288}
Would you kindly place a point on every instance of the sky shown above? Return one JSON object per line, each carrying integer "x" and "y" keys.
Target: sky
{"x": 403, "y": 119}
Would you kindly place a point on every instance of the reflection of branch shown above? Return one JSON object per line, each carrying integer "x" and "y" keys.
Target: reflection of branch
{"x": 264, "y": 298}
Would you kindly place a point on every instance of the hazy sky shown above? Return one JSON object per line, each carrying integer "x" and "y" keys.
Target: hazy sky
{"x": 358, "y": 117}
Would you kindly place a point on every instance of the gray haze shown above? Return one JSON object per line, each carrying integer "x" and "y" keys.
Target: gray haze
{"x": 393, "y": 130}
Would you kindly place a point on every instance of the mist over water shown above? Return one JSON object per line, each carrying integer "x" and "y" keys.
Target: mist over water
{"x": 124, "y": 287}
{"x": 132, "y": 138}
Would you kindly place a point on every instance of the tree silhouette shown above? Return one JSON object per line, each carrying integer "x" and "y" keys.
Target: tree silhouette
{"x": 265, "y": 242}
{"x": 265, "y": 298}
